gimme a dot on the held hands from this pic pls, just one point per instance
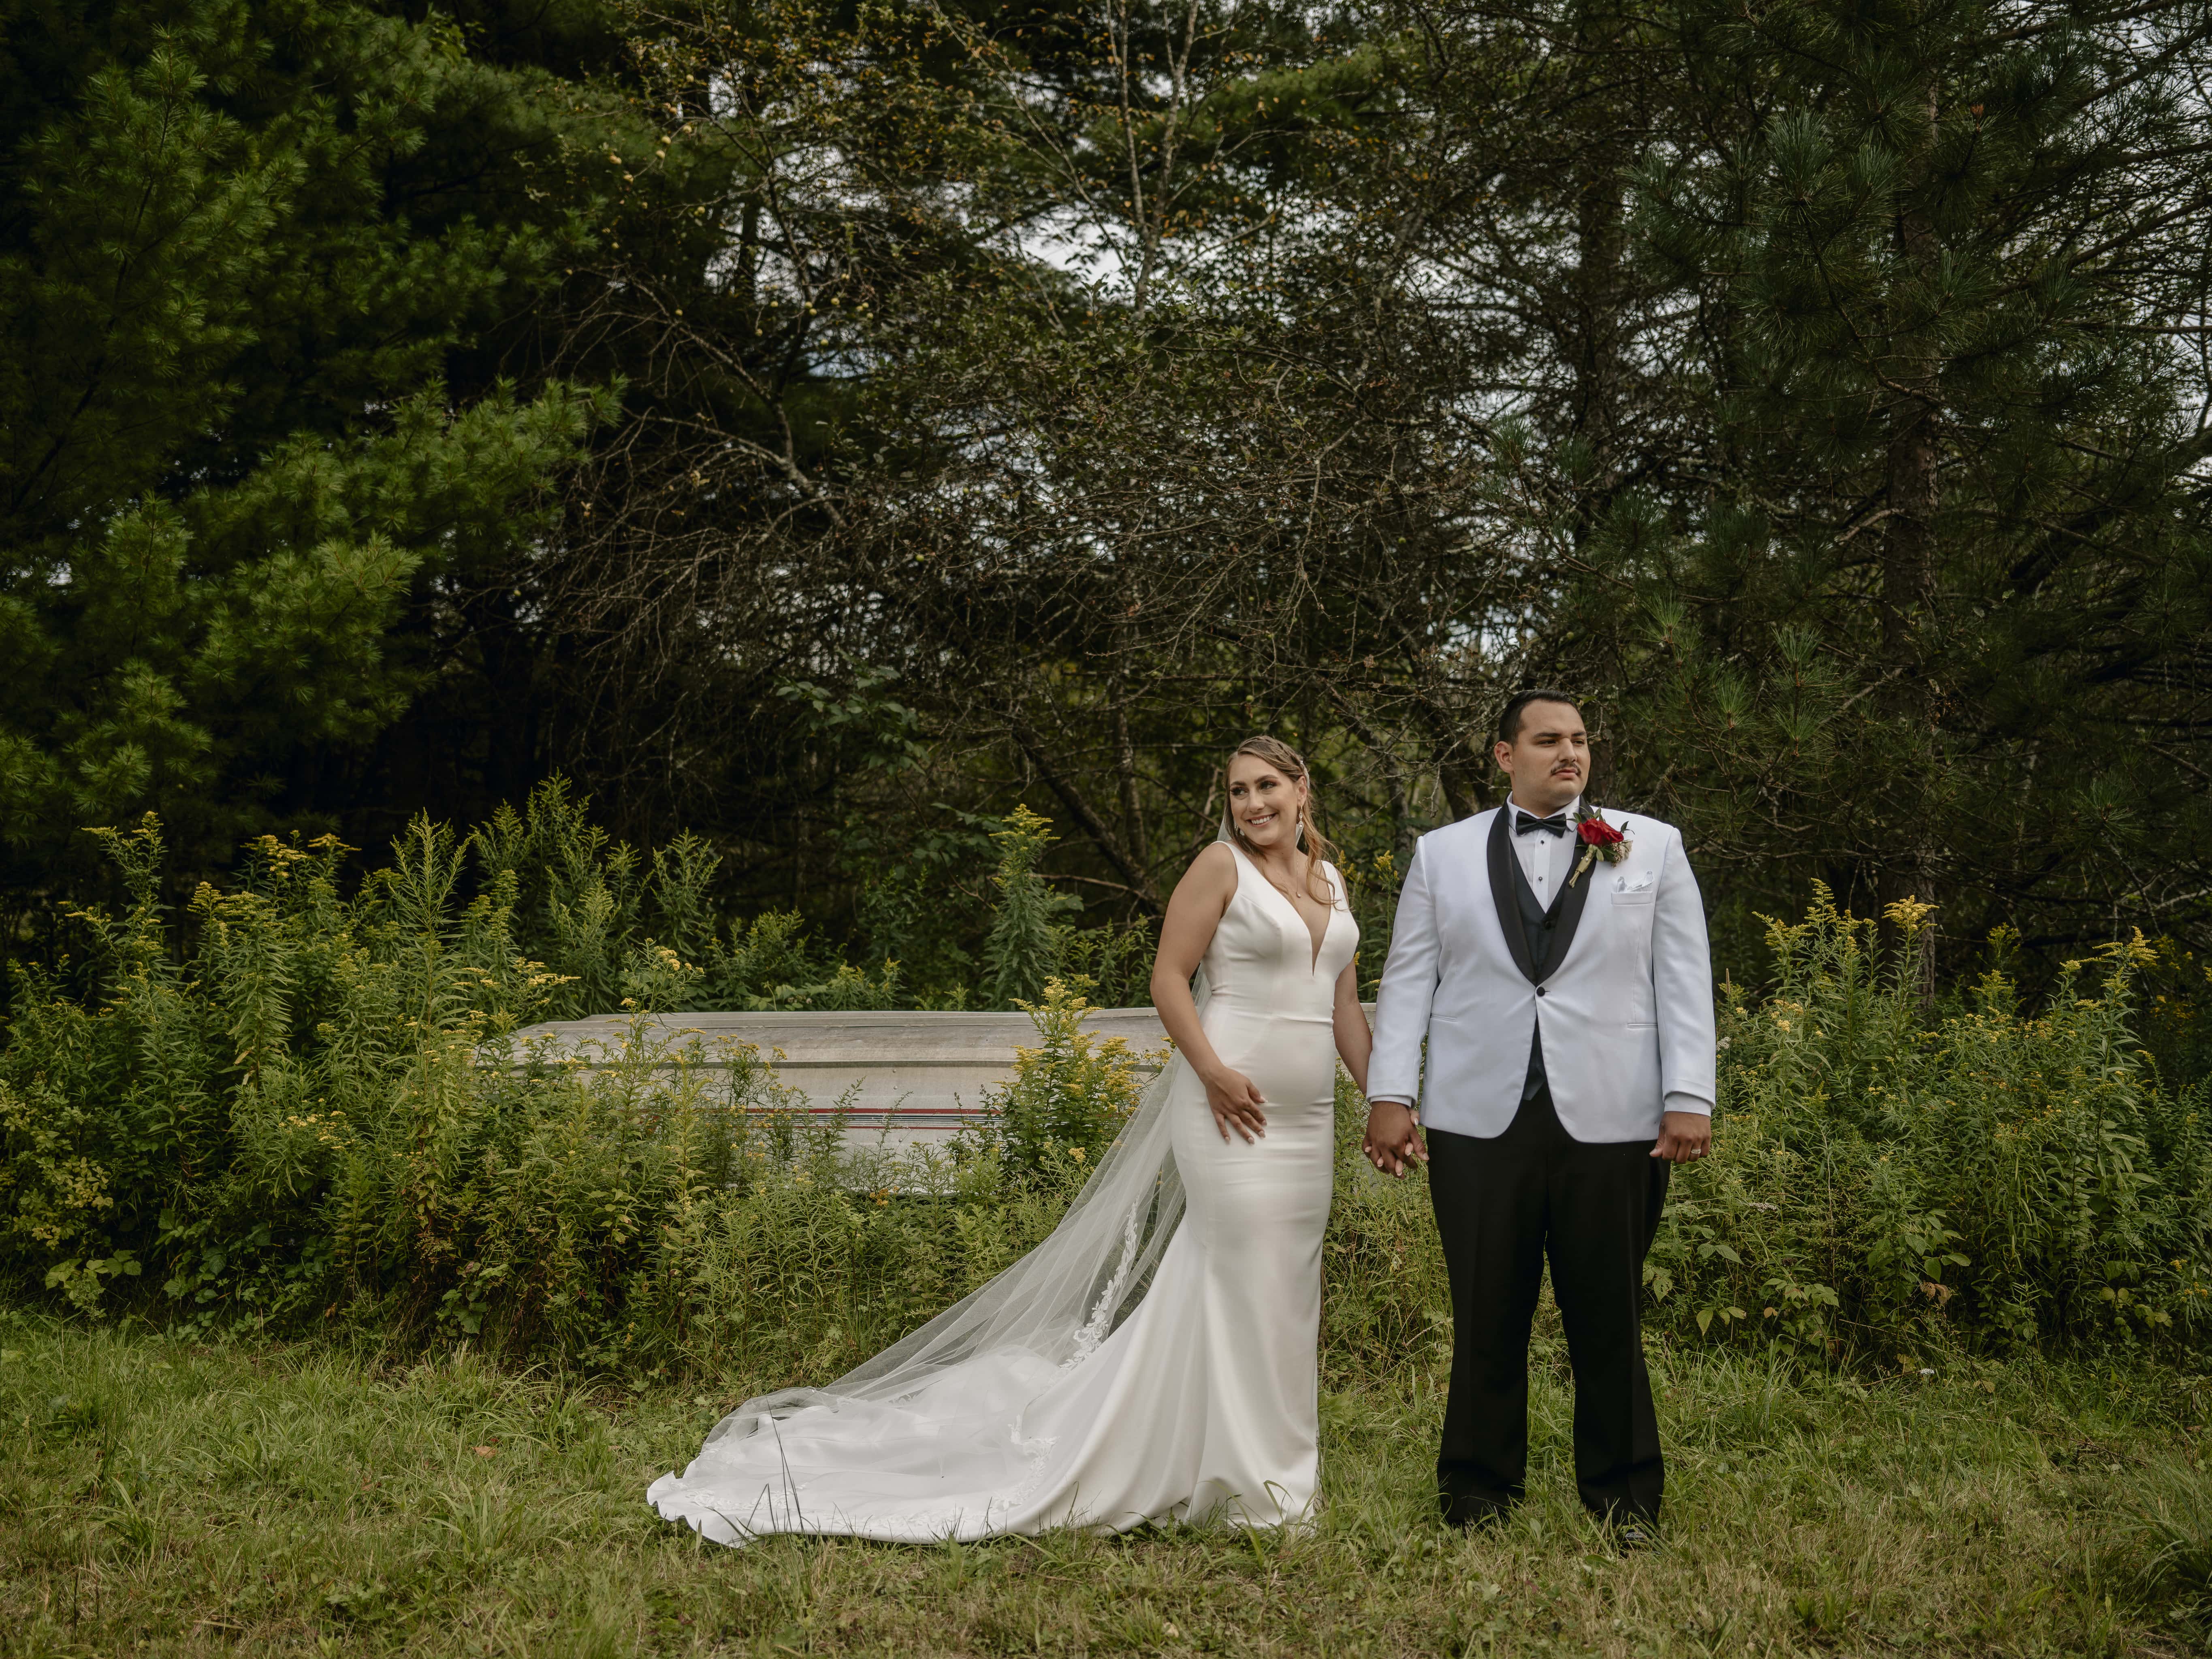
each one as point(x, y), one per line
point(1235, 1101)
point(1684, 1136)
point(1394, 1138)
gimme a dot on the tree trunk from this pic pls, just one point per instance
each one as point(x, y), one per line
point(1595, 288)
point(1595, 346)
point(1913, 488)
point(1139, 879)
point(1125, 766)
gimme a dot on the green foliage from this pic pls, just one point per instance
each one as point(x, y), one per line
point(320, 1114)
point(246, 247)
point(1114, 964)
point(1885, 1181)
point(1068, 1098)
point(1024, 946)
point(1106, 399)
point(1850, 462)
point(623, 929)
point(1953, 539)
point(2177, 1009)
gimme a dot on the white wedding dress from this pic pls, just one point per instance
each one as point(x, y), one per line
point(1154, 1360)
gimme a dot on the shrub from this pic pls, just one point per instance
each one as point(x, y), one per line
point(1883, 1178)
point(616, 927)
point(1068, 1098)
point(320, 1116)
point(1026, 942)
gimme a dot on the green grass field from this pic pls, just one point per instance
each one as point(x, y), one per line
point(161, 1498)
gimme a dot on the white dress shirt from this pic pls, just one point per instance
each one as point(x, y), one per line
point(1545, 858)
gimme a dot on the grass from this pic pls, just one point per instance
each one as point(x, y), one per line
point(163, 1498)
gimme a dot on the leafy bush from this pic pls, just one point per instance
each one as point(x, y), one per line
point(319, 1113)
point(617, 928)
point(1024, 946)
point(1068, 1098)
point(2175, 995)
point(1883, 1178)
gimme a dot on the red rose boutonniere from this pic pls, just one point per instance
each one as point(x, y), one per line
point(1599, 840)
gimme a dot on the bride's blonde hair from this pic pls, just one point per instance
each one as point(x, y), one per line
point(1320, 850)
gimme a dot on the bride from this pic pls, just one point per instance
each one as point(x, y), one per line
point(1156, 1358)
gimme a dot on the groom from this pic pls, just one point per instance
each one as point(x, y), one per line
point(1560, 977)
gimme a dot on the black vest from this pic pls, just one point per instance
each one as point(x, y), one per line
point(1540, 927)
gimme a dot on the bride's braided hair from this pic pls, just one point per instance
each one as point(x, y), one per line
point(1320, 849)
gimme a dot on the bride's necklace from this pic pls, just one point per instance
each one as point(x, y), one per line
point(1273, 883)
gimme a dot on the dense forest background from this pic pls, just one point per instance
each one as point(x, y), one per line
point(823, 429)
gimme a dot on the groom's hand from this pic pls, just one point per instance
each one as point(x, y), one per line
point(1393, 1140)
point(1684, 1136)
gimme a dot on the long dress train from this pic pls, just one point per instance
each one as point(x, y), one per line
point(1132, 1368)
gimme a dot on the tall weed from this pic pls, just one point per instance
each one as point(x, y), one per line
point(622, 928)
point(321, 1116)
point(1883, 1178)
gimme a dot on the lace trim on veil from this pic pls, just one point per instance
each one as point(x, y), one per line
point(1096, 1328)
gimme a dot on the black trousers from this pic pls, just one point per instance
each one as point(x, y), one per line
point(1504, 1203)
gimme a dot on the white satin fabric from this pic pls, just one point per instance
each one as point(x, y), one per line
point(1201, 1404)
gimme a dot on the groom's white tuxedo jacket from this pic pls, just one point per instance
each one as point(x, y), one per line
point(1626, 1008)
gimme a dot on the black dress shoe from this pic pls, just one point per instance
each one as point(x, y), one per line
point(1633, 1535)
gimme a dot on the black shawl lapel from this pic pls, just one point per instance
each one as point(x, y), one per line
point(1569, 916)
point(1501, 892)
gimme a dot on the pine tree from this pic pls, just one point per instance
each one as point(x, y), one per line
point(1924, 612)
point(245, 252)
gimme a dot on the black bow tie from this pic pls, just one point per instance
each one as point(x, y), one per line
point(1524, 823)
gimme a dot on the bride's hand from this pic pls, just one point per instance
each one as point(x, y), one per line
point(1235, 1101)
point(1392, 1141)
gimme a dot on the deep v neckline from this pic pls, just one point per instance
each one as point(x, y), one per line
point(1329, 921)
